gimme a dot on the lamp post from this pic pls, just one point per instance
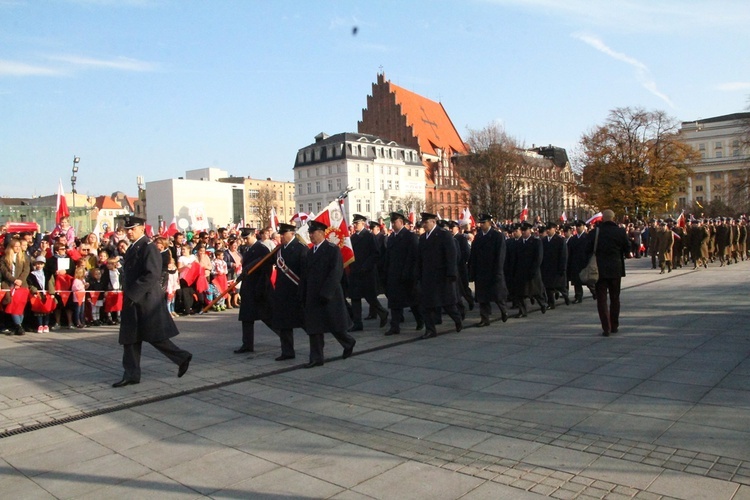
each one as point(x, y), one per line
point(76, 160)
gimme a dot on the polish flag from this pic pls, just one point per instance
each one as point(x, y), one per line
point(524, 213)
point(337, 232)
point(162, 227)
point(681, 220)
point(62, 205)
point(597, 217)
point(564, 217)
point(412, 215)
point(172, 229)
point(149, 230)
point(467, 218)
point(274, 220)
point(300, 217)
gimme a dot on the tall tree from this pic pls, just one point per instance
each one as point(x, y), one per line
point(635, 160)
point(491, 171)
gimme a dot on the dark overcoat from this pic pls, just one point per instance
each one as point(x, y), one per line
point(699, 236)
point(380, 241)
point(144, 316)
point(611, 249)
point(437, 269)
point(555, 262)
point(464, 254)
point(255, 289)
point(287, 296)
point(487, 267)
point(325, 306)
point(723, 239)
point(511, 245)
point(363, 272)
point(401, 257)
point(527, 269)
point(577, 257)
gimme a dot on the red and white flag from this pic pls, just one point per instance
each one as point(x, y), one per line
point(300, 217)
point(337, 232)
point(172, 229)
point(524, 213)
point(467, 218)
point(274, 220)
point(149, 230)
point(62, 204)
point(564, 217)
point(412, 215)
point(681, 220)
point(597, 217)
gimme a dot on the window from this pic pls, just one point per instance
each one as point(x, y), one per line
point(317, 186)
point(390, 184)
point(367, 206)
point(699, 199)
point(702, 146)
point(317, 171)
point(309, 188)
point(253, 194)
point(367, 183)
point(318, 205)
point(718, 145)
point(698, 189)
point(301, 207)
point(330, 185)
point(396, 185)
point(338, 184)
point(309, 208)
point(300, 189)
point(359, 205)
point(718, 154)
point(718, 175)
point(359, 183)
point(330, 169)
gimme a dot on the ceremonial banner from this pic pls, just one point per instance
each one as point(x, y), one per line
point(337, 232)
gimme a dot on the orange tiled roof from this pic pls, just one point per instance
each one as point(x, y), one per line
point(429, 121)
point(107, 203)
point(131, 202)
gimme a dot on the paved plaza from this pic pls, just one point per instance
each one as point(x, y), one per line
point(532, 408)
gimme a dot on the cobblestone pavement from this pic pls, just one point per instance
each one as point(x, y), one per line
point(536, 407)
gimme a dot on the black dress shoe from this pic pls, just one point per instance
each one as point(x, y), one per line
point(357, 328)
point(459, 326)
point(284, 357)
point(392, 332)
point(348, 351)
point(420, 325)
point(504, 316)
point(577, 300)
point(372, 316)
point(383, 319)
point(125, 381)
point(614, 330)
point(605, 334)
point(520, 315)
point(313, 364)
point(482, 324)
point(244, 349)
point(544, 308)
point(184, 366)
point(428, 335)
point(567, 300)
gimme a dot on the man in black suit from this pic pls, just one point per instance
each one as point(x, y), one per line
point(554, 265)
point(464, 250)
point(380, 238)
point(577, 259)
point(286, 296)
point(612, 246)
point(402, 253)
point(486, 270)
point(363, 276)
point(255, 292)
point(437, 275)
point(144, 314)
point(527, 273)
point(323, 297)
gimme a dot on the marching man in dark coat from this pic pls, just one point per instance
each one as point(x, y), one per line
point(287, 313)
point(255, 292)
point(486, 270)
point(145, 317)
point(323, 297)
point(577, 259)
point(401, 256)
point(464, 252)
point(554, 265)
point(363, 277)
point(437, 275)
point(527, 272)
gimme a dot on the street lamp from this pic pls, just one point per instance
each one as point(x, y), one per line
point(76, 160)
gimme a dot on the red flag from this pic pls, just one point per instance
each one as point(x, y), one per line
point(94, 297)
point(564, 217)
point(467, 218)
point(274, 220)
point(412, 215)
point(149, 230)
point(62, 205)
point(172, 229)
point(19, 298)
point(42, 303)
point(681, 220)
point(220, 281)
point(113, 301)
point(524, 213)
point(337, 232)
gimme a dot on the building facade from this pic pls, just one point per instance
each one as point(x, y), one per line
point(263, 194)
point(384, 176)
point(722, 174)
point(409, 119)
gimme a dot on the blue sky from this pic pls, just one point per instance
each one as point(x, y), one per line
point(158, 87)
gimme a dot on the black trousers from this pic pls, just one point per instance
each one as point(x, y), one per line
point(375, 307)
point(609, 316)
point(317, 343)
point(432, 316)
point(286, 336)
point(131, 356)
point(397, 316)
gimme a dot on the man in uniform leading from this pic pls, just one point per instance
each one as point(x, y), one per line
point(286, 295)
point(486, 270)
point(144, 316)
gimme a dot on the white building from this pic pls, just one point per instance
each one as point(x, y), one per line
point(199, 201)
point(384, 175)
point(724, 160)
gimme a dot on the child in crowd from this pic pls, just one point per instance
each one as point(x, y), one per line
point(112, 278)
point(220, 278)
point(96, 288)
point(173, 284)
point(79, 285)
point(44, 291)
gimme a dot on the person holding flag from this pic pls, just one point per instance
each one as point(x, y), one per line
point(285, 297)
point(255, 292)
